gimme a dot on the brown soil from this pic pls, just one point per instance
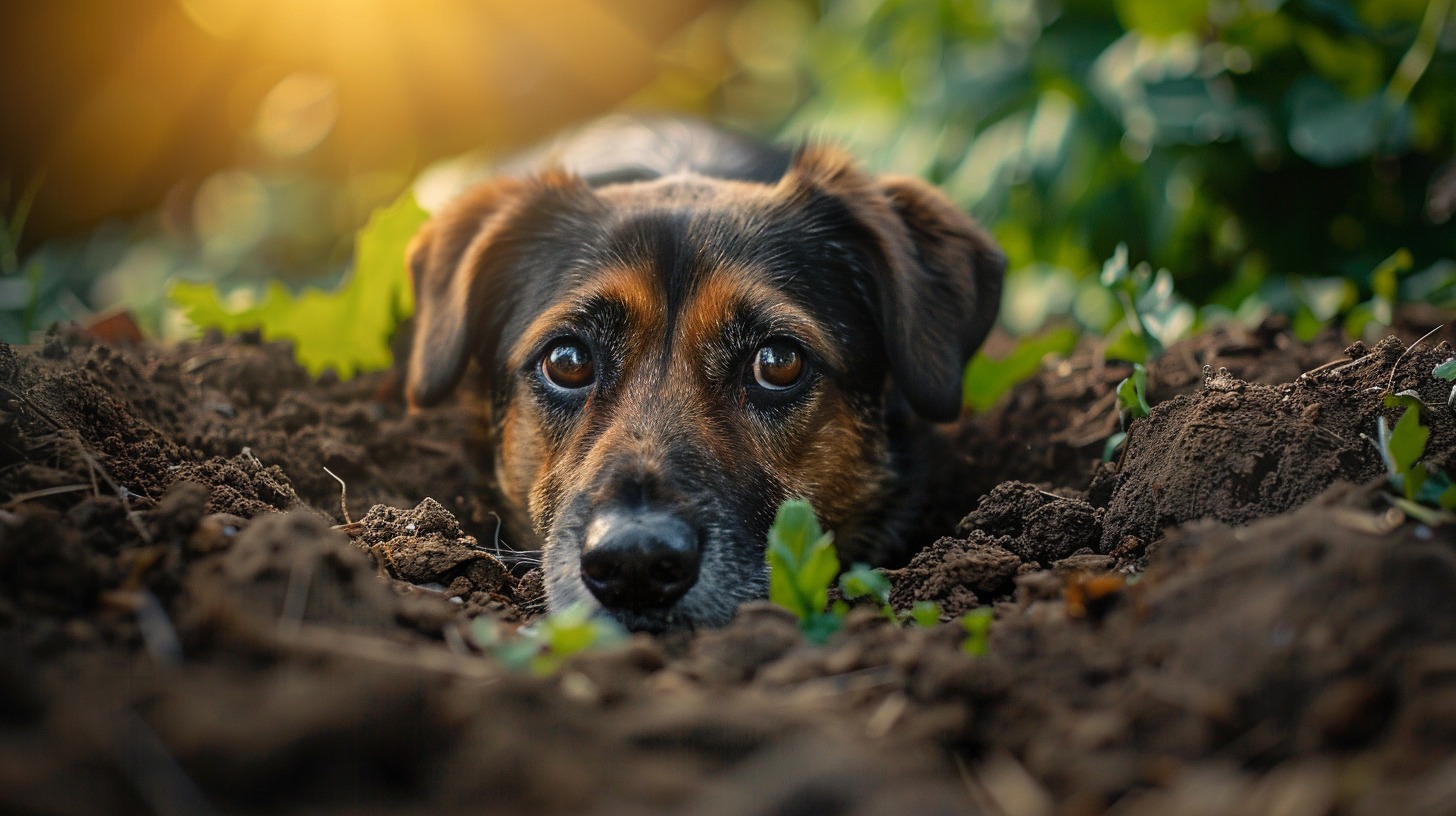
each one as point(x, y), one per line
point(1232, 619)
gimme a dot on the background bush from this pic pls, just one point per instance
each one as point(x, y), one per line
point(1272, 156)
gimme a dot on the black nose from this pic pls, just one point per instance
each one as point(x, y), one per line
point(639, 560)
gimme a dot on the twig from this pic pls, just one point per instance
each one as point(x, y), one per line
point(343, 495)
point(1390, 386)
point(21, 498)
point(1336, 366)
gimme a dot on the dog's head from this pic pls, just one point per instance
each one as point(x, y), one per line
point(666, 361)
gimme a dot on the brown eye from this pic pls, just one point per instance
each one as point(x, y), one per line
point(568, 365)
point(778, 365)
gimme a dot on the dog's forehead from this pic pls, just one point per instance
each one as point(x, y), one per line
point(693, 253)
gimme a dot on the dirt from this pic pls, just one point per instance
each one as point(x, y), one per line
point(1231, 617)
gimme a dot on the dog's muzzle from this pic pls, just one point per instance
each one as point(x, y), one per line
point(639, 560)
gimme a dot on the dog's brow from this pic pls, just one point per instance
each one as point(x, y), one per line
point(620, 285)
point(728, 295)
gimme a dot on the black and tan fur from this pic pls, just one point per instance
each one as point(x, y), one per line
point(673, 277)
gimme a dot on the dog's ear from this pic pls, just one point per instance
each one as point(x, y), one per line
point(445, 262)
point(940, 283)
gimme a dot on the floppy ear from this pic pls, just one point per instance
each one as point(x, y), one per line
point(445, 261)
point(940, 284)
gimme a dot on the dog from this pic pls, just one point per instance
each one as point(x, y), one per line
point(673, 328)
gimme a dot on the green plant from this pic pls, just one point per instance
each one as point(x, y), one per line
point(1132, 403)
point(987, 379)
point(863, 581)
point(347, 330)
point(544, 646)
point(1401, 447)
point(17, 295)
point(1447, 371)
point(802, 563)
point(977, 624)
point(1153, 313)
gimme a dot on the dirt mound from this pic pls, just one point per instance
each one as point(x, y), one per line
point(188, 623)
point(1237, 451)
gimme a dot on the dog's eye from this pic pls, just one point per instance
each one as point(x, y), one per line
point(568, 364)
point(778, 365)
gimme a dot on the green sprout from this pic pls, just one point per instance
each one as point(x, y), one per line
point(1132, 403)
point(802, 563)
point(1425, 494)
point(863, 581)
point(977, 624)
point(1447, 371)
point(544, 646)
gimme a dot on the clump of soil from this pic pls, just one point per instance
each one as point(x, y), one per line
point(1238, 451)
point(425, 546)
point(1235, 620)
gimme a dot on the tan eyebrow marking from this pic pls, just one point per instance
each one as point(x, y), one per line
point(629, 286)
point(716, 299)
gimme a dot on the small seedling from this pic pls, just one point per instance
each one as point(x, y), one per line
point(1154, 313)
point(802, 564)
point(1447, 371)
point(863, 581)
point(1132, 403)
point(977, 624)
point(1401, 448)
point(544, 646)
point(925, 614)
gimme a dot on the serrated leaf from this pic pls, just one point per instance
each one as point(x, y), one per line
point(347, 330)
point(817, 574)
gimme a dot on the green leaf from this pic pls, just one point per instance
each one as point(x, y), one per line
point(802, 561)
point(818, 627)
point(1161, 18)
point(863, 581)
point(1115, 269)
point(546, 644)
point(987, 380)
point(925, 614)
point(1445, 371)
point(347, 330)
point(977, 624)
point(1113, 443)
point(1132, 397)
point(1402, 445)
point(1447, 499)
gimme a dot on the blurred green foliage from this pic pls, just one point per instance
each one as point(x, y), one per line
point(1252, 156)
point(347, 330)
point(1243, 145)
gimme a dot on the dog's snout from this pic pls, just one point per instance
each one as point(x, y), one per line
point(639, 560)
